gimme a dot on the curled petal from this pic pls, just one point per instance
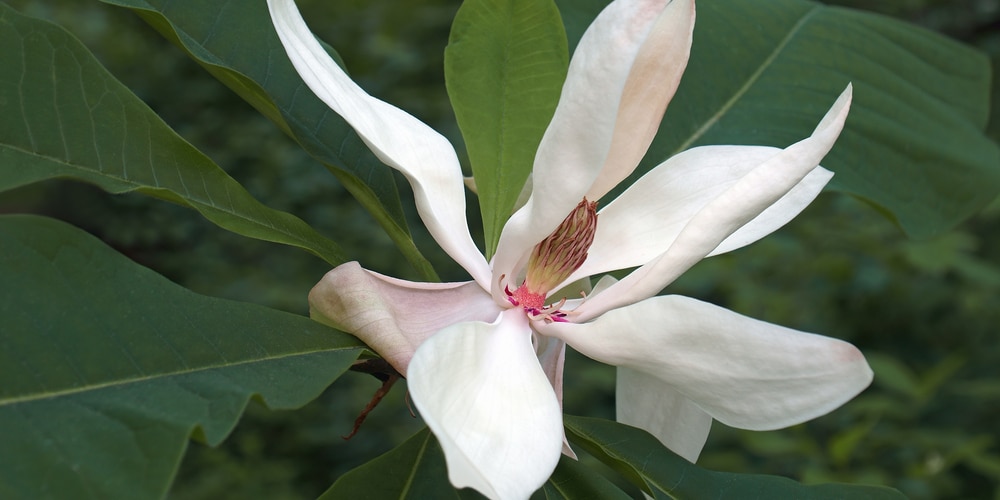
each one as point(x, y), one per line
point(394, 316)
point(482, 392)
point(645, 402)
point(576, 143)
point(644, 221)
point(398, 139)
point(724, 215)
point(743, 372)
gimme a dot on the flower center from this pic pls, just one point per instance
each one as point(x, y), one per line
point(553, 260)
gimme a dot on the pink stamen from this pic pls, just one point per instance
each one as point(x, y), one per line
point(534, 305)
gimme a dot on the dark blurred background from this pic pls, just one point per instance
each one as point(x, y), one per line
point(925, 313)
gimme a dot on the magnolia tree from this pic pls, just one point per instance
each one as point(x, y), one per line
point(655, 142)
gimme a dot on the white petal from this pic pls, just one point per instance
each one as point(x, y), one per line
point(395, 316)
point(398, 139)
point(743, 372)
point(482, 392)
point(651, 84)
point(642, 222)
point(579, 137)
point(645, 402)
point(725, 214)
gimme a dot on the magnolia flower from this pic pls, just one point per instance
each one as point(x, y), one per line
point(484, 358)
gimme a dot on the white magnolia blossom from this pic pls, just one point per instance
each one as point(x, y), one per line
point(484, 359)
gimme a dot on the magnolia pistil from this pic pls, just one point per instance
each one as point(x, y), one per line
point(554, 259)
point(564, 251)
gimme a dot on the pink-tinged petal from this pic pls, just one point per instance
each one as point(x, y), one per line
point(398, 139)
point(642, 222)
point(650, 86)
point(394, 316)
point(645, 402)
point(743, 372)
point(482, 392)
point(725, 214)
point(552, 356)
point(576, 143)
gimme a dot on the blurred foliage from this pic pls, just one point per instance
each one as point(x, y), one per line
point(925, 313)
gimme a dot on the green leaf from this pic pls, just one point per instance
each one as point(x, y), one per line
point(571, 479)
point(107, 368)
point(504, 66)
point(661, 473)
point(214, 33)
point(62, 115)
point(765, 72)
point(415, 469)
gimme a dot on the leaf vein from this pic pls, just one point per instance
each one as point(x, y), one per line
point(749, 83)
point(147, 378)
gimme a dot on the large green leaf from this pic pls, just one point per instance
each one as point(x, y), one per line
point(504, 67)
point(765, 72)
point(237, 44)
point(63, 115)
point(648, 464)
point(107, 368)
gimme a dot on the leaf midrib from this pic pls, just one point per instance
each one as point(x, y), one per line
point(749, 82)
point(134, 380)
point(186, 197)
point(408, 485)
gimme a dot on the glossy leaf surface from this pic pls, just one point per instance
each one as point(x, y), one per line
point(107, 368)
